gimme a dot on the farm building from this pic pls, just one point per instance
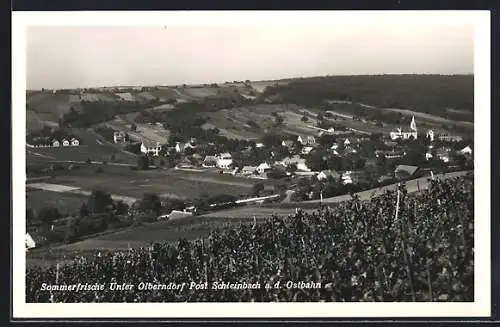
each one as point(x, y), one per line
point(248, 170)
point(306, 149)
point(334, 146)
point(29, 242)
point(224, 160)
point(55, 143)
point(75, 142)
point(346, 178)
point(467, 150)
point(443, 154)
point(444, 137)
point(295, 160)
point(149, 147)
point(181, 147)
point(210, 161)
point(65, 142)
point(404, 171)
point(263, 167)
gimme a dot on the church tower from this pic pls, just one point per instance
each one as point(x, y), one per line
point(413, 125)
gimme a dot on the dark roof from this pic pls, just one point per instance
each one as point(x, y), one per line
point(409, 169)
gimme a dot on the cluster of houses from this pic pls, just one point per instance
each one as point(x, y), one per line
point(49, 142)
point(301, 146)
point(412, 133)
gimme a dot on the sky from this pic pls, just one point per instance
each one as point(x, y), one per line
point(70, 57)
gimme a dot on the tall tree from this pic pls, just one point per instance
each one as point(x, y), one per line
point(48, 214)
point(151, 202)
point(99, 201)
point(84, 211)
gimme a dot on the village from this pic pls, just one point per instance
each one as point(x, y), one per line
point(340, 158)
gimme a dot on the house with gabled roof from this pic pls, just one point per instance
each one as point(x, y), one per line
point(403, 171)
point(150, 147)
point(263, 167)
point(248, 170)
point(306, 140)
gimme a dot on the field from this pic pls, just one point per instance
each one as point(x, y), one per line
point(66, 203)
point(201, 92)
point(260, 86)
point(170, 231)
point(153, 133)
point(33, 123)
point(126, 96)
point(165, 94)
point(90, 97)
point(146, 96)
point(122, 181)
point(234, 122)
point(55, 104)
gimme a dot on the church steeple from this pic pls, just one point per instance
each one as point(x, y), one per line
point(413, 125)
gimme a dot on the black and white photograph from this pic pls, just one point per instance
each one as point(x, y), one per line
point(232, 164)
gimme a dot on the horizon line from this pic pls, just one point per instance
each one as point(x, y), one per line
point(251, 81)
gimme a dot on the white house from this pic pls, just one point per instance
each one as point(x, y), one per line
point(306, 140)
point(306, 149)
point(428, 156)
point(29, 242)
point(75, 142)
point(65, 142)
point(259, 145)
point(55, 143)
point(181, 147)
point(119, 137)
point(224, 160)
point(248, 170)
point(346, 178)
point(287, 143)
point(210, 161)
point(148, 147)
point(443, 155)
point(405, 134)
point(347, 142)
point(430, 135)
point(295, 160)
point(334, 146)
point(263, 167)
point(466, 150)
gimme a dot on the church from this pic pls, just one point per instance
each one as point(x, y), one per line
point(406, 134)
